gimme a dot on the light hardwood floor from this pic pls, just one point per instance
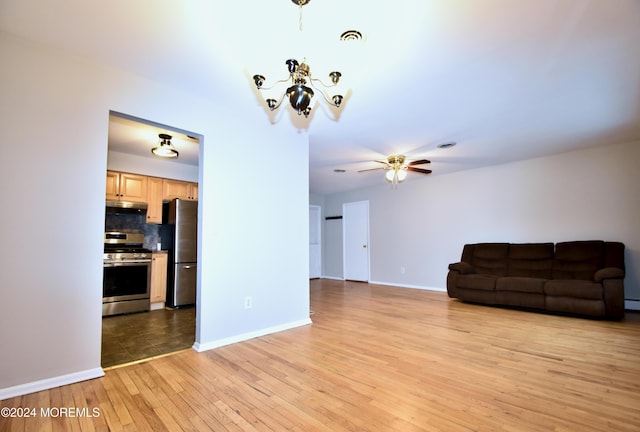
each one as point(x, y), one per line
point(377, 359)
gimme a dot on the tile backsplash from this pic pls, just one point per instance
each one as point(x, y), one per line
point(153, 233)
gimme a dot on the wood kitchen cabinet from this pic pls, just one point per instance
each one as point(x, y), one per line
point(126, 187)
point(179, 189)
point(154, 200)
point(158, 290)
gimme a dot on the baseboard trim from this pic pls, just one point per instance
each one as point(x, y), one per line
point(420, 287)
point(200, 347)
point(50, 383)
point(632, 305)
point(157, 306)
point(332, 277)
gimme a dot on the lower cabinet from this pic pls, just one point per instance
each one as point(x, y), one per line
point(159, 263)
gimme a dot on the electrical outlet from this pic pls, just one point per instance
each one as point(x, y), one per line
point(248, 303)
point(402, 270)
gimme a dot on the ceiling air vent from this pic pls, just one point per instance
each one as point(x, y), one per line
point(351, 35)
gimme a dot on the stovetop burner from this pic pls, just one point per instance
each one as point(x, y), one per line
point(122, 246)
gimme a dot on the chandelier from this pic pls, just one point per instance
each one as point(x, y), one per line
point(298, 93)
point(301, 83)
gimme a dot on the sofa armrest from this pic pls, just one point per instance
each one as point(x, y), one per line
point(608, 273)
point(462, 267)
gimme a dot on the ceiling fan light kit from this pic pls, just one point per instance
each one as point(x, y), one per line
point(396, 176)
point(397, 168)
point(165, 149)
point(298, 93)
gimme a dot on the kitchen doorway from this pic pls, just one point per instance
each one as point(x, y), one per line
point(143, 335)
point(147, 185)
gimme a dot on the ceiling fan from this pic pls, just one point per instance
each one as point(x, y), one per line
point(397, 167)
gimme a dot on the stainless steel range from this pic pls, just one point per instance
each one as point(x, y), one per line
point(127, 273)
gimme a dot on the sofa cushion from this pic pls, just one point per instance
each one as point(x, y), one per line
point(488, 258)
point(521, 284)
point(575, 288)
point(578, 259)
point(531, 260)
point(477, 281)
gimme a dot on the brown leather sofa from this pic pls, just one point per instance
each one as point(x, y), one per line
point(579, 277)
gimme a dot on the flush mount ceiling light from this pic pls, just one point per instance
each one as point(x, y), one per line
point(298, 93)
point(165, 149)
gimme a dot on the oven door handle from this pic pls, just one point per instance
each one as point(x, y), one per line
point(127, 263)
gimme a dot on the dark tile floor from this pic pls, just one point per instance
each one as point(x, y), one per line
point(127, 338)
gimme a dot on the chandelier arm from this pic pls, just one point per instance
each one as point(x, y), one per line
point(329, 101)
point(323, 84)
point(274, 84)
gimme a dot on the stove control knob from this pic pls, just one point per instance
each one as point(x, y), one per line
point(136, 255)
point(143, 255)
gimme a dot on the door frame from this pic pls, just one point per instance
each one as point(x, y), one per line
point(364, 203)
point(319, 244)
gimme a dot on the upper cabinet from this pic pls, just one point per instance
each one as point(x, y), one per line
point(150, 190)
point(154, 200)
point(179, 189)
point(126, 187)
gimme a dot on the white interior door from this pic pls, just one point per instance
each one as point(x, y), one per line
point(355, 229)
point(315, 242)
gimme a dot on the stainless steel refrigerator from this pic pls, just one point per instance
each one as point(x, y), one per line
point(183, 253)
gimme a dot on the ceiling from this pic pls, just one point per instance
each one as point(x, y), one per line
point(505, 79)
point(136, 136)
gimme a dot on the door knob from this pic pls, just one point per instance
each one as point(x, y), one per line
point(364, 246)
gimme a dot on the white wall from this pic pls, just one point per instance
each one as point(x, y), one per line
point(423, 224)
point(53, 135)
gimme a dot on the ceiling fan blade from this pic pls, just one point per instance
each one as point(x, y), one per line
point(420, 162)
point(419, 170)
point(382, 162)
point(372, 169)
